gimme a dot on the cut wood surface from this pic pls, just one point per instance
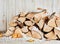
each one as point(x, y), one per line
point(47, 28)
point(51, 36)
point(36, 35)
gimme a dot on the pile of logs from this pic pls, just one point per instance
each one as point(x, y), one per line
point(34, 24)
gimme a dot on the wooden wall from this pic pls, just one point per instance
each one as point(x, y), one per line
point(10, 8)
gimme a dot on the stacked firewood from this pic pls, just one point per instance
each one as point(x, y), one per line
point(34, 24)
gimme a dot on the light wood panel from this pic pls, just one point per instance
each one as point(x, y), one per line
point(2, 15)
point(56, 5)
point(11, 11)
point(46, 4)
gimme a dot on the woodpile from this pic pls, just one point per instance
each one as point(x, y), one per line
point(32, 23)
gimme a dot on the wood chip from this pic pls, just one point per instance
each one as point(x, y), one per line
point(30, 40)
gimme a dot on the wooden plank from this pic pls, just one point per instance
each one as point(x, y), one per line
point(48, 5)
point(18, 6)
point(38, 4)
point(29, 5)
point(24, 5)
point(2, 16)
point(56, 5)
point(10, 10)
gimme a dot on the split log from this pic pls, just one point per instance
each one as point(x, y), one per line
point(41, 23)
point(52, 22)
point(47, 28)
point(28, 23)
point(50, 36)
point(21, 19)
point(36, 35)
point(25, 29)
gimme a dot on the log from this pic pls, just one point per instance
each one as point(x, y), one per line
point(57, 32)
point(23, 14)
point(28, 23)
point(25, 29)
point(12, 24)
point(12, 28)
point(47, 28)
point(29, 34)
point(50, 36)
point(21, 19)
point(52, 22)
point(58, 23)
point(41, 23)
point(36, 35)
